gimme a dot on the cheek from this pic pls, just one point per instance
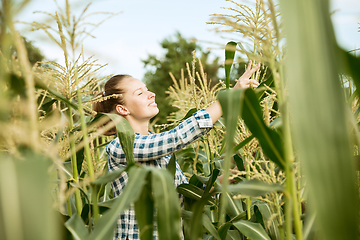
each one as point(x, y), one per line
point(137, 105)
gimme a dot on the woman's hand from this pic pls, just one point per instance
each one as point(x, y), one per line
point(244, 81)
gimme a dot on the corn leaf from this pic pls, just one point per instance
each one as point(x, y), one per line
point(233, 235)
point(144, 210)
point(351, 66)
point(77, 227)
point(210, 227)
point(231, 102)
point(251, 230)
point(109, 177)
point(243, 143)
point(254, 188)
point(269, 139)
point(26, 205)
point(126, 136)
point(56, 94)
point(318, 114)
point(167, 204)
point(223, 230)
point(271, 224)
point(107, 223)
point(231, 208)
point(229, 59)
point(193, 192)
point(171, 167)
point(196, 227)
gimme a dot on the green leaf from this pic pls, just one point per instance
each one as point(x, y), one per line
point(77, 227)
point(79, 159)
point(254, 188)
point(107, 203)
point(243, 215)
point(109, 177)
point(198, 181)
point(93, 120)
point(233, 235)
point(47, 105)
point(231, 102)
point(196, 229)
point(270, 222)
point(223, 229)
point(239, 162)
point(309, 225)
point(261, 89)
point(57, 95)
point(167, 204)
point(251, 230)
point(105, 227)
point(144, 209)
point(189, 114)
point(243, 143)
point(186, 214)
point(26, 205)
point(126, 136)
point(231, 208)
point(211, 181)
point(352, 67)
point(210, 227)
point(193, 192)
point(171, 167)
point(17, 86)
point(269, 139)
point(230, 49)
point(319, 117)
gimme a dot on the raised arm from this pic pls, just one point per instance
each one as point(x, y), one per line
point(155, 146)
point(243, 82)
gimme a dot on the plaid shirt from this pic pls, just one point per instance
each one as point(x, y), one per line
point(153, 150)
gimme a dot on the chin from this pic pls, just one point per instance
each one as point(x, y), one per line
point(157, 111)
point(153, 113)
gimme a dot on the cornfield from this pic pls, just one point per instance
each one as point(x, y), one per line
point(289, 148)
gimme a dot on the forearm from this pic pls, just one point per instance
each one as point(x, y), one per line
point(215, 111)
point(154, 146)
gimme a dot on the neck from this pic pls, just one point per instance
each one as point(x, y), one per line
point(141, 127)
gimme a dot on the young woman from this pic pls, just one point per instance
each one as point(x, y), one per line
point(137, 105)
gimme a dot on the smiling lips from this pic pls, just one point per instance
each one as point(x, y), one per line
point(153, 104)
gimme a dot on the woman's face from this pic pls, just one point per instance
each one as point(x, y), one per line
point(139, 101)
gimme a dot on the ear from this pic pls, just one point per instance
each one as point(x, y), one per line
point(122, 110)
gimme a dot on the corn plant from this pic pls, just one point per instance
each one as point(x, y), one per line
point(80, 194)
point(277, 144)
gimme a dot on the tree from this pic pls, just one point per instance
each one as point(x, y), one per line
point(34, 53)
point(178, 52)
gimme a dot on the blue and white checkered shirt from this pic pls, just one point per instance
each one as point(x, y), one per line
point(153, 150)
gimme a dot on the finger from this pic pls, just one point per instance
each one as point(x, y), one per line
point(253, 81)
point(250, 71)
point(253, 70)
point(254, 85)
point(249, 66)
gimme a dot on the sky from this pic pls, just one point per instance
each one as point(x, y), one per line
point(129, 37)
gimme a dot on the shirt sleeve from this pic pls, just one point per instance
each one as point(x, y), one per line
point(155, 146)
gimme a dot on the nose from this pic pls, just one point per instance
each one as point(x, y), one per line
point(151, 94)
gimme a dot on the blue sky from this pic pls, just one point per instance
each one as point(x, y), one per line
point(125, 39)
